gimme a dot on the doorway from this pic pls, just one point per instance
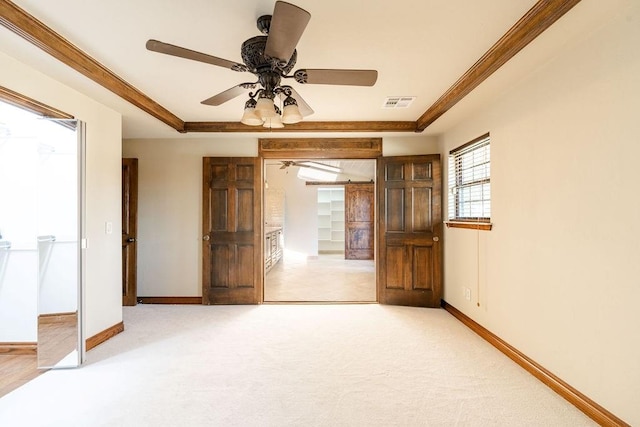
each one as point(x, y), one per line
point(313, 252)
point(408, 229)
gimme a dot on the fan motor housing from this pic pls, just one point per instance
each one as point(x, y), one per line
point(253, 56)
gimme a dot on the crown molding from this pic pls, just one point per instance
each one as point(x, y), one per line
point(540, 17)
point(37, 33)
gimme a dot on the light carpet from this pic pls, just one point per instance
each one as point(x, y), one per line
point(290, 365)
point(328, 277)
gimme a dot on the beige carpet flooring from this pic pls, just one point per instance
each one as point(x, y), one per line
point(329, 277)
point(290, 365)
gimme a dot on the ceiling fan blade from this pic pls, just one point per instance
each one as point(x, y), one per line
point(336, 77)
point(225, 96)
point(287, 25)
point(181, 52)
point(304, 108)
point(319, 166)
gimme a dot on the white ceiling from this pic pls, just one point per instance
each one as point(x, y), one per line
point(355, 170)
point(419, 47)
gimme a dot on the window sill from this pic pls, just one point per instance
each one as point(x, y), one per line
point(486, 226)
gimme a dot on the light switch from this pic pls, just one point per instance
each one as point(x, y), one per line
point(108, 227)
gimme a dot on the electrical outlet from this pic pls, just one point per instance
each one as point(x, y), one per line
point(467, 294)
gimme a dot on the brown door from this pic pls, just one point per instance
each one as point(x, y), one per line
point(129, 230)
point(359, 229)
point(232, 231)
point(410, 231)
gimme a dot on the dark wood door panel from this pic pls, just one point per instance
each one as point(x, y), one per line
point(218, 209)
point(220, 262)
point(359, 221)
point(410, 230)
point(394, 267)
point(129, 231)
point(394, 214)
point(245, 213)
point(360, 202)
point(421, 170)
point(421, 219)
point(232, 243)
point(245, 265)
point(423, 271)
point(359, 242)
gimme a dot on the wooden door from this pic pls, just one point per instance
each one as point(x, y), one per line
point(232, 231)
point(359, 225)
point(410, 231)
point(129, 230)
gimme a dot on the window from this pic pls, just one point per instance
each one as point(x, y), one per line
point(469, 182)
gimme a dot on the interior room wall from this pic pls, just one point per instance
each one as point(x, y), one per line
point(170, 205)
point(558, 275)
point(301, 212)
point(103, 273)
point(170, 209)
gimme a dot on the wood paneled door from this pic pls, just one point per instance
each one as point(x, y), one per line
point(410, 231)
point(232, 231)
point(129, 230)
point(359, 221)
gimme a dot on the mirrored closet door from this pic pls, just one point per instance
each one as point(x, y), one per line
point(41, 223)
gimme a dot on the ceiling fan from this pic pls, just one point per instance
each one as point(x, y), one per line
point(271, 57)
point(310, 165)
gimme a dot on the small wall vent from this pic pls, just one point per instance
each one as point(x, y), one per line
point(398, 102)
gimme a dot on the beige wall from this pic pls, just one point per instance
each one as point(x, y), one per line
point(170, 204)
point(301, 210)
point(170, 209)
point(103, 297)
point(559, 274)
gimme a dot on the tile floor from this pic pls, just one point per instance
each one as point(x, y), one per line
point(329, 277)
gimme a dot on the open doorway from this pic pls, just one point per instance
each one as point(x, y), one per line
point(308, 235)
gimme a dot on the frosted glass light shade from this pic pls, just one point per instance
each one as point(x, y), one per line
point(250, 117)
point(265, 108)
point(273, 122)
point(291, 114)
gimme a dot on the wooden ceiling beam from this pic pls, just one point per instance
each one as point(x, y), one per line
point(26, 26)
point(303, 127)
point(320, 148)
point(540, 17)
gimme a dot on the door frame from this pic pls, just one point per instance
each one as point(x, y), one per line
point(130, 232)
point(317, 149)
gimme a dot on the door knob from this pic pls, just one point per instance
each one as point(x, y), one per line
point(206, 238)
point(131, 240)
point(436, 238)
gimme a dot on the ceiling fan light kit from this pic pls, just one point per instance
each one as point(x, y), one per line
point(290, 111)
point(265, 107)
point(250, 117)
point(271, 57)
point(273, 123)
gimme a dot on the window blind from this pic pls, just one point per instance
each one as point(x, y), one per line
point(469, 181)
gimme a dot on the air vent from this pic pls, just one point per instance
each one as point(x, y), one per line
point(398, 102)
